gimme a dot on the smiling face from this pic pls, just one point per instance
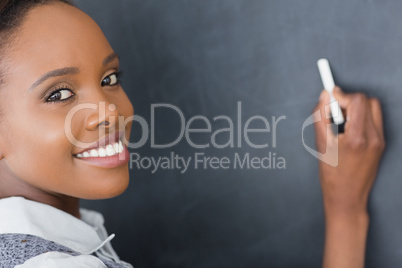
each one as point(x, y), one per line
point(60, 59)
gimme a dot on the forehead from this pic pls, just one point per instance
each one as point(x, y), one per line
point(55, 36)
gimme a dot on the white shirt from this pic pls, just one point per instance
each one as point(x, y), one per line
point(86, 235)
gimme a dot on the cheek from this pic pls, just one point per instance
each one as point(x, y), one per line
point(39, 153)
point(38, 149)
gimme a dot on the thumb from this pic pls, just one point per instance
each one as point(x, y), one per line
point(341, 97)
point(323, 102)
point(324, 97)
point(322, 120)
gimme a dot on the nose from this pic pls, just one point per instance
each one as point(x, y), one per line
point(105, 115)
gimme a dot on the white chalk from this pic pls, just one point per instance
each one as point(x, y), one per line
point(328, 82)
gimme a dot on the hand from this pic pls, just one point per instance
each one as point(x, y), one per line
point(346, 187)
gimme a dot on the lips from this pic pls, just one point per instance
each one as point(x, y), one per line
point(108, 152)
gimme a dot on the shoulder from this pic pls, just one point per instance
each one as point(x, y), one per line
point(62, 260)
point(25, 246)
point(25, 251)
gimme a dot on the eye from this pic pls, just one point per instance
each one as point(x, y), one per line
point(111, 80)
point(60, 95)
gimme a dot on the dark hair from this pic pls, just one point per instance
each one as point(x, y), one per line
point(12, 14)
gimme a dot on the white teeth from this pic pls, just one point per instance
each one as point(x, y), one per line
point(110, 150)
point(102, 152)
point(121, 147)
point(94, 153)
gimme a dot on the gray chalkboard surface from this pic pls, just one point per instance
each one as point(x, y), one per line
point(236, 60)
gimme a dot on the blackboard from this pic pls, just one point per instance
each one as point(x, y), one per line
point(208, 58)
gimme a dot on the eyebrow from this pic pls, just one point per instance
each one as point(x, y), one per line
point(54, 73)
point(110, 58)
point(68, 70)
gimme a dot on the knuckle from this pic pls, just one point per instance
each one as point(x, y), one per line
point(358, 143)
point(376, 104)
point(316, 113)
point(317, 107)
point(359, 98)
point(321, 145)
point(377, 143)
point(375, 101)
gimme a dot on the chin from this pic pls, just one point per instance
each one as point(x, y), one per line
point(109, 190)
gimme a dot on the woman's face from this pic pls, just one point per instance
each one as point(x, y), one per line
point(60, 59)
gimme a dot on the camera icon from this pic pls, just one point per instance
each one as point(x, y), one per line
point(328, 150)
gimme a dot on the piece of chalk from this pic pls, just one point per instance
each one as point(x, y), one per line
point(328, 82)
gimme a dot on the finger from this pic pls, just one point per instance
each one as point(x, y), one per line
point(342, 97)
point(377, 116)
point(374, 128)
point(357, 111)
point(322, 119)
